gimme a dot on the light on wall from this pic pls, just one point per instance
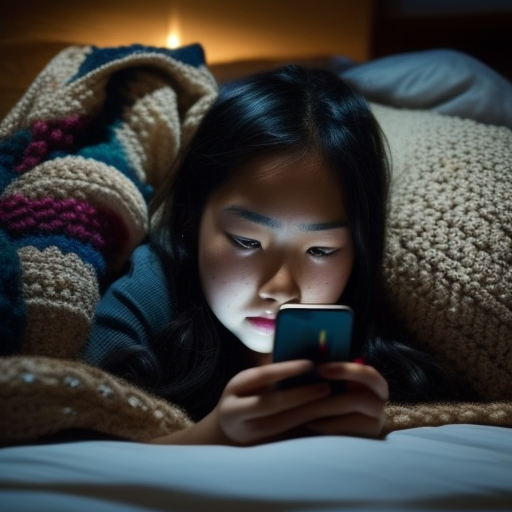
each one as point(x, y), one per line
point(174, 34)
point(173, 40)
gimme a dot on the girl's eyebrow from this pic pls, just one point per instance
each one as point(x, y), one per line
point(269, 222)
point(325, 226)
point(251, 216)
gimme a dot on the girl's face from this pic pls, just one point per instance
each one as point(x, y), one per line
point(276, 233)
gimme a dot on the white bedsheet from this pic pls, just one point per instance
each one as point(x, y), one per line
point(455, 467)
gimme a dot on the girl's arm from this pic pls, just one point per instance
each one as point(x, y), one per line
point(252, 411)
point(134, 307)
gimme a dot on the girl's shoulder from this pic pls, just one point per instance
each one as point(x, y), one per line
point(132, 310)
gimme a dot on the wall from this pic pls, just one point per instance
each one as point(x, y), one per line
point(273, 28)
point(32, 32)
point(445, 7)
point(481, 28)
point(227, 28)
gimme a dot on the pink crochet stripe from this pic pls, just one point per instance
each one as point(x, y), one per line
point(72, 217)
point(48, 136)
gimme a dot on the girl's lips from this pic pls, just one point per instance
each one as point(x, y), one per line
point(263, 325)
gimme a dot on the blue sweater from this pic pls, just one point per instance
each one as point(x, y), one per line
point(133, 308)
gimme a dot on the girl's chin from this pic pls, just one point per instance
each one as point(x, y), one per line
point(260, 344)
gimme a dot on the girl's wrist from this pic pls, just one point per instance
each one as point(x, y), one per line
point(205, 431)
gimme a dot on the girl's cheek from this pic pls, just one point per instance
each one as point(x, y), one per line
point(225, 274)
point(325, 283)
point(323, 290)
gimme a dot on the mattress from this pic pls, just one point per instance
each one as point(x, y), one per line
point(453, 467)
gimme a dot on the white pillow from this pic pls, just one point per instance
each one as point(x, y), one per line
point(447, 81)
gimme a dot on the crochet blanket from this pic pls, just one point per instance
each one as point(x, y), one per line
point(80, 156)
point(448, 261)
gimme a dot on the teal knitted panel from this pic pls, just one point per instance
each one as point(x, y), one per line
point(12, 308)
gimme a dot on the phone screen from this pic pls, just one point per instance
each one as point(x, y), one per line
point(315, 332)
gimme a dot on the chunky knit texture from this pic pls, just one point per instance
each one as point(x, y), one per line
point(448, 268)
point(43, 396)
point(80, 155)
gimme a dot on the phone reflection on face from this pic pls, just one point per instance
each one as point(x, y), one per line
point(276, 233)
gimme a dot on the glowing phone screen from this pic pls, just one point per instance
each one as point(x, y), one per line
point(316, 334)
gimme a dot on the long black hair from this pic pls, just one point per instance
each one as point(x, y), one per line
point(290, 110)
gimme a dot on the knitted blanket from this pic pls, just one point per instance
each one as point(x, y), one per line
point(80, 156)
point(448, 261)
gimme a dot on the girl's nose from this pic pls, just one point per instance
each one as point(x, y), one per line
point(281, 287)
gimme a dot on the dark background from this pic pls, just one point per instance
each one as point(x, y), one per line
point(231, 30)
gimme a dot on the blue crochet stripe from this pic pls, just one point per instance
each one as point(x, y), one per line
point(66, 245)
point(192, 55)
point(11, 154)
point(12, 306)
point(104, 145)
point(112, 152)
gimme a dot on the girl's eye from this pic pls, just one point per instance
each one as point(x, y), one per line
point(321, 252)
point(245, 243)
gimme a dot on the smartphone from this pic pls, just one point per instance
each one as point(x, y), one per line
point(317, 332)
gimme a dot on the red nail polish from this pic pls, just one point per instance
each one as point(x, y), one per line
point(359, 360)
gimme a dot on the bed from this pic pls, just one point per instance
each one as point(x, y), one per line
point(74, 437)
point(454, 467)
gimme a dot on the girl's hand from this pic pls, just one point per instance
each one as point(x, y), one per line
point(359, 411)
point(252, 411)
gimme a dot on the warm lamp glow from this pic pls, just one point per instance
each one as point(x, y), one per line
point(173, 40)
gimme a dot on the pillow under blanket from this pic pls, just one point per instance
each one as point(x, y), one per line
point(448, 263)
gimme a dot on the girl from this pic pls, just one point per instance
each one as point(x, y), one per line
point(279, 198)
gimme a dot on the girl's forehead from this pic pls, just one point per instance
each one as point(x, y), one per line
point(282, 169)
point(284, 184)
point(292, 164)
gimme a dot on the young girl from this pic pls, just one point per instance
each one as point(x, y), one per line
point(279, 198)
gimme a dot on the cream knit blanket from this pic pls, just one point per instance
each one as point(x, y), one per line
point(448, 265)
point(99, 128)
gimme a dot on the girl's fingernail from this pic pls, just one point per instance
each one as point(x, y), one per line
point(359, 360)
